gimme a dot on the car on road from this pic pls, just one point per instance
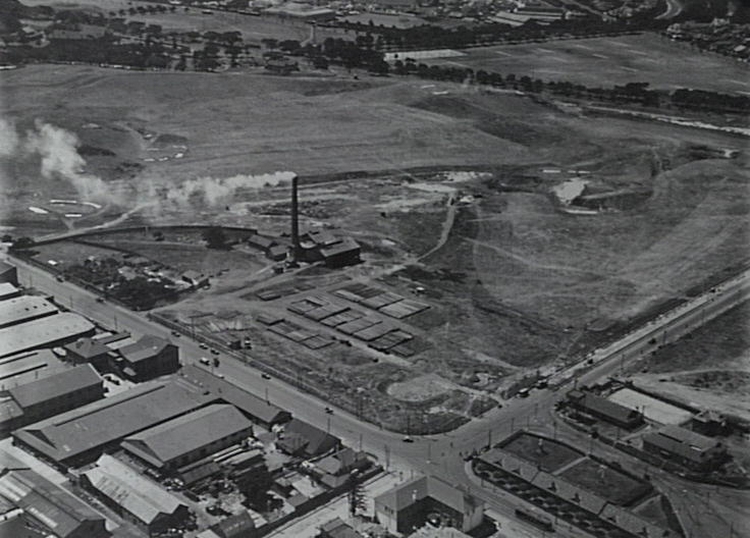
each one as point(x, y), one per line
point(265, 376)
point(176, 333)
point(215, 352)
point(204, 360)
point(60, 278)
point(329, 411)
point(202, 346)
point(100, 299)
point(524, 393)
point(408, 439)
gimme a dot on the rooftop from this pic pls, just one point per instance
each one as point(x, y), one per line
point(299, 434)
point(347, 244)
point(87, 348)
point(74, 433)
point(52, 506)
point(55, 385)
point(7, 290)
point(136, 494)
point(603, 406)
point(145, 348)
point(27, 366)
point(174, 438)
point(42, 332)
point(23, 308)
point(417, 489)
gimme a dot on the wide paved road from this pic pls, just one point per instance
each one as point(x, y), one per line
point(437, 454)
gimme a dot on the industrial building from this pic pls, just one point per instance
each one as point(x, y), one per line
point(8, 273)
point(134, 497)
point(27, 366)
point(149, 357)
point(24, 308)
point(257, 409)
point(53, 393)
point(88, 351)
point(49, 506)
point(47, 331)
point(183, 440)
point(80, 436)
point(8, 291)
point(687, 448)
point(408, 505)
point(336, 469)
point(604, 409)
point(303, 439)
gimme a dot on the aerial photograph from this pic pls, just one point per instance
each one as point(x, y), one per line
point(375, 268)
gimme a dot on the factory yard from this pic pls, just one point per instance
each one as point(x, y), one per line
point(607, 61)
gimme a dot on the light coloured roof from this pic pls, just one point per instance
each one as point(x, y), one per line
point(139, 496)
point(416, 489)
point(145, 348)
point(73, 433)
point(55, 385)
point(87, 348)
point(27, 366)
point(7, 290)
point(166, 442)
point(23, 308)
point(42, 332)
point(55, 508)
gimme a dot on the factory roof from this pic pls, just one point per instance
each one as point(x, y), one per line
point(137, 495)
point(144, 349)
point(50, 505)
point(55, 385)
point(249, 403)
point(603, 406)
point(685, 443)
point(8, 290)
point(75, 432)
point(408, 493)
point(24, 308)
point(347, 244)
point(168, 441)
point(22, 367)
point(41, 332)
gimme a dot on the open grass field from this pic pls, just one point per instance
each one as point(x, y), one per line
point(606, 61)
point(548, 454)
point(613, 485)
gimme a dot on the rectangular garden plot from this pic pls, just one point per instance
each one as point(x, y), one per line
point(403, 309)
point(305, 305)
point(391, 339)
point(268, 319)
point(381, 300)
point(376, 331)
point(323, 312)
point(357, 325)
point(318, 341)
point(343, 317)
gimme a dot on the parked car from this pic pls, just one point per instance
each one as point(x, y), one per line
point(204, 360)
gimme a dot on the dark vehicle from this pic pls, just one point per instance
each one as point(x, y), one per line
point(329, 411)
point(408, 439)
point(265, 376)
point(176, 333)
point(214, 351)
point(60, 278)
point(100, 299)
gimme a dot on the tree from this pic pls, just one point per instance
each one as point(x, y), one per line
point(215, 238)
point(356, 495)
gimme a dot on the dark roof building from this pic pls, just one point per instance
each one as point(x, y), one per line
point(149, 357)
point(409, 504)
point(345, 252)
point(336, 528)
point(64, 515)
point(188, 438)
point(8, 273)
point(79, 436)
point(256, 408)
point(335, 470)
point(303, 439)
point(133, 496)
point(605, 409)
point(56, 393)
point(88, 350)
point(235, 526)
point(687, 448)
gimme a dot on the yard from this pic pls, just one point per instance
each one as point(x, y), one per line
point(550, 455)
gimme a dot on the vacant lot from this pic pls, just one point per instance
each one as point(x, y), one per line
point(613, 485)
point(602, 62)
point(548, 454)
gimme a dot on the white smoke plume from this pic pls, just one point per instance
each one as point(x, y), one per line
point(60, 159)
point(8, 138)
point(214, 191)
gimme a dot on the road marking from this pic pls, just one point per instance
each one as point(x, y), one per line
point(602, 56)
point(502, 53)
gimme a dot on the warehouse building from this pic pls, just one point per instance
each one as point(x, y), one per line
point(47, 331)
point(8, 273)
point(687, 448)
point(88, 351)
point(27, 366)
point(149, 357)
point(54, 393)
point(80, 436)
point(303, 439)
point(183, 440)
point(604, 409)
point(49, 506)
point(408, 505)
point(24, 308)
point(134, 497)
point(8, 291)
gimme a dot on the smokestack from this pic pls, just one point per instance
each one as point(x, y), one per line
point(295, 221)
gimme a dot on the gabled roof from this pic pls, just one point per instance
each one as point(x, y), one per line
point(52, 506)
point(347, 244)
point(139, 496)
point(144, 349)
point(417, 489)
point(565, 490)
point(301, 435)
point(42, 332)
point(55, 385)
point(87, 348)
point(603, 406)
point(685, 443)
point(236, 525)
point(73, 433)
point(166, 442)
point(249, 403)
point(340, 462)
